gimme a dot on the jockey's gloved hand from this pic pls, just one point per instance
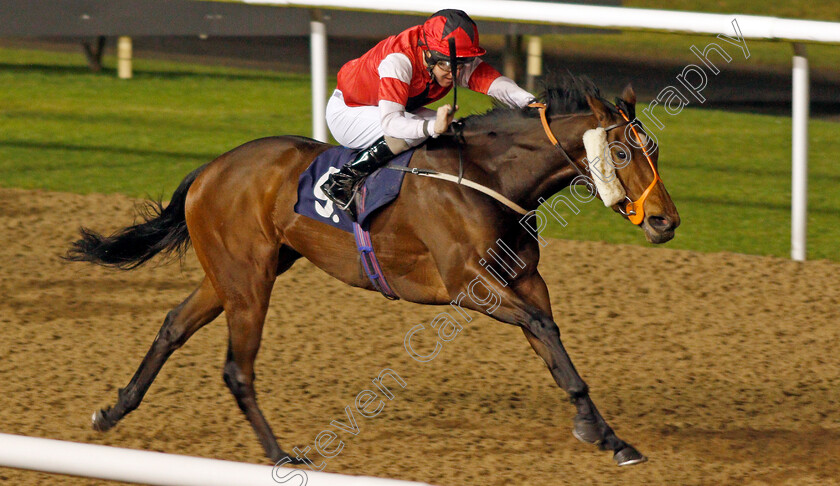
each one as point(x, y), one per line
point(445, 115)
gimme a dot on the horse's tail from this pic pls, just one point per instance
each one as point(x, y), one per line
point(161, 230)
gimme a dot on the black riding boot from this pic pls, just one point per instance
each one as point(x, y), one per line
point(341, 185)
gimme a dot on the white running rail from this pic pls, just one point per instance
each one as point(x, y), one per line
point(157, 468)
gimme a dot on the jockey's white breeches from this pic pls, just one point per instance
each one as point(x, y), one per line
point(360, 126)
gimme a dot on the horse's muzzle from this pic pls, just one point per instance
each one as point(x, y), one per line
point(659, 228)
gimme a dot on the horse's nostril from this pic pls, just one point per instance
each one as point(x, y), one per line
point(660, 223)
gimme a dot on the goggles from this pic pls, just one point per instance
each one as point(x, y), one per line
point(445, 65)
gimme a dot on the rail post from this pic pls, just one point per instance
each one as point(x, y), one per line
point(124, 57)
point(799, 171)
point(318, 48)
point(535, 59)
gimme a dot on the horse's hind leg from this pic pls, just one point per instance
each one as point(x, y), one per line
point(248, 277)
point(245, 326)
point(201, 307)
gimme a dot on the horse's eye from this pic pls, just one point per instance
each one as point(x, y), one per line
point(621, 154)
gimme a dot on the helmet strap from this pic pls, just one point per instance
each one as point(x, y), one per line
point(430, 65)
point(427, 54)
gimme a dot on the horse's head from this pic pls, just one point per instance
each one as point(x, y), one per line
point(602, 145)
point(635, 157)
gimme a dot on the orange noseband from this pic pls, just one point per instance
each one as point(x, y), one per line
point(635, 210)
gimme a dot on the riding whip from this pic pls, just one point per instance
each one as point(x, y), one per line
point(454, 65)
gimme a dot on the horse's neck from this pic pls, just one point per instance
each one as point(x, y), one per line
point(524, 166)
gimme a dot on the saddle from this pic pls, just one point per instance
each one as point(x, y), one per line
point(377, 191)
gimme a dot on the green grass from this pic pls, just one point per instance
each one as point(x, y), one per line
point(668, 47)
point(675, 48)
point(797, 9)
point(63, 128)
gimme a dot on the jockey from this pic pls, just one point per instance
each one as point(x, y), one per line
point(379, 103)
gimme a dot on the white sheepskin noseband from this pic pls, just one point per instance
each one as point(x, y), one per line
point(603, 171)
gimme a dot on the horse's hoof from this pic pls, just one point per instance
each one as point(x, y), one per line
point(286, 458)
point(586, 431)
point(628, 456)
point(296, 461)
point(100, 421)
point(278, 474)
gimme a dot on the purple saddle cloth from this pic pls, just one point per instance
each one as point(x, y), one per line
point(380, 188)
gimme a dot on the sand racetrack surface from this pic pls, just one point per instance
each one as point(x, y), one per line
point(721, 368)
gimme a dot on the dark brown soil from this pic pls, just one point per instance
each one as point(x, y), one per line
point(722, 368)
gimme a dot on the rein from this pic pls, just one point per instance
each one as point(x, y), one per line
point(458, 130)
point(463, 182)
point(634, 210)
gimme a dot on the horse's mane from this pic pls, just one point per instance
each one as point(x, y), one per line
point(563, 94)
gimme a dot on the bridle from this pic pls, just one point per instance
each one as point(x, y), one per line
point(633, 210)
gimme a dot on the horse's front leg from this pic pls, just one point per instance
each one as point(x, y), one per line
point(526, 304)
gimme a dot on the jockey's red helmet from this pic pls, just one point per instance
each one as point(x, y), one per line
point(455, 24)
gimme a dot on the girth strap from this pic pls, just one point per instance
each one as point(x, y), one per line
point(369, 261)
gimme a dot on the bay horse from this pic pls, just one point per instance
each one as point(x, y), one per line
point(237, 212)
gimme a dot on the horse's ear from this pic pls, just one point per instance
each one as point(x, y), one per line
point(599, 109)
point(629, 95)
